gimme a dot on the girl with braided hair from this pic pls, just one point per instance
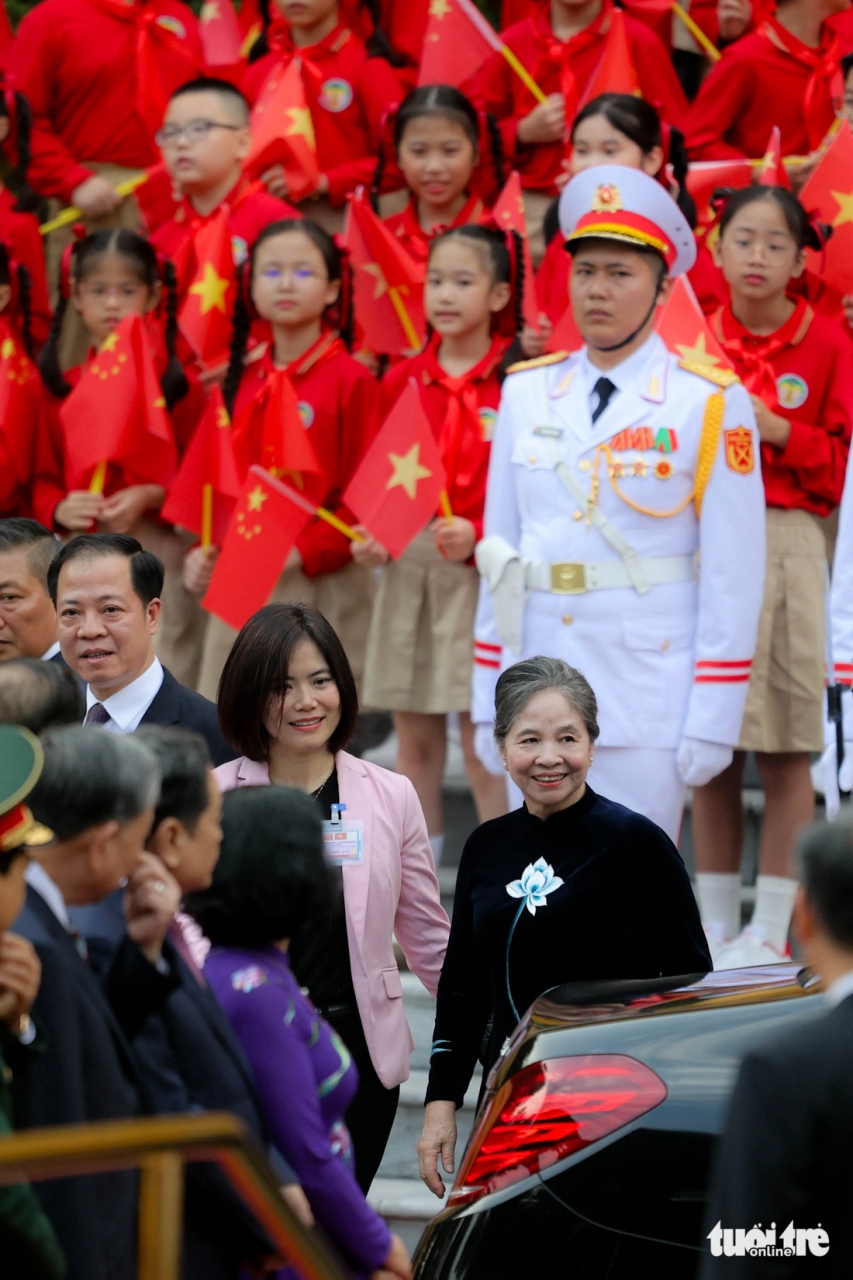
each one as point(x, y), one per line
point(19, 229)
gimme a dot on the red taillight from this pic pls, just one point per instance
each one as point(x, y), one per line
point(550, 1110)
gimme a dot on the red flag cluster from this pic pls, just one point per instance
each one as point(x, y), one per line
point(283, 132)
point(388, 284)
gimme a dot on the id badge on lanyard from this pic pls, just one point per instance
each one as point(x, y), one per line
point(343, 839)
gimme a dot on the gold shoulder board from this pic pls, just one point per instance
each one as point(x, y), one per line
point(720, 377)
point(554, 358)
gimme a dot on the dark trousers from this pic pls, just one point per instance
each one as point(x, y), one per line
point(370, 1115)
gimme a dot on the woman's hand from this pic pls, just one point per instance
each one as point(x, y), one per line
point(455, 538)
point(397, 1265)
point(79, 510)
point(121, 512)
point(772, 428)
point(545, 123)
point(734, 17)
point(369, 553)
point(437, 1137)
point(534, 344)
point(198, 568)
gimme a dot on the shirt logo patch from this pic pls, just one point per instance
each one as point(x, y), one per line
point(239, 250)
point(792, 391)
point(740, 454)
point(488, 418)
point(170, 23)
point(306, 413)
point(247, 980)
point(336, 95)
point(664, 439)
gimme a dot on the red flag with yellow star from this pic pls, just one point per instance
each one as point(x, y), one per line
point(457, 41)
point(221, 37)
point(20, 404)
point(207, 310)
point(771, 171)
point(283, 132)
point(828, 195)
point(508, 214)
point(262, 532)
point(685, 330)
point(398, 485)
point(388, 284)
point(203, 493)
point(117, 413)
point(615, 72)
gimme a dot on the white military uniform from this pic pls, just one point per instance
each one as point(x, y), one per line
point(633, 549)
point(841, 600)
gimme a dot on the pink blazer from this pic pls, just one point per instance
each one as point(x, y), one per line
point(394, 890)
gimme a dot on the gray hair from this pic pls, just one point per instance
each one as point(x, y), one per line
point(39, 695)
point(521, 682)
point(826, 869)
point(91, 776)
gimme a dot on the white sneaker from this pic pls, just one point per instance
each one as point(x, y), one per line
point(716, 939)
point(749, 949)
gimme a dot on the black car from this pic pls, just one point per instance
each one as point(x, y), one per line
point(591, 1155)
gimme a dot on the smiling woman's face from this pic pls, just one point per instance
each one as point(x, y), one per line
point(308, 714)
point(548, 753)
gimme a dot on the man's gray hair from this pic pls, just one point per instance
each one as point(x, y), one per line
point(521, 682)
point(91, 776)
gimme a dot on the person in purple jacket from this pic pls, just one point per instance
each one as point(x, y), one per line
point(270, 881)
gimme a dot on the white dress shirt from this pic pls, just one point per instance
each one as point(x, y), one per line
point(127, 707)
point(621, 375)
point(841, 988)
point(38, 879)
point(51, 653)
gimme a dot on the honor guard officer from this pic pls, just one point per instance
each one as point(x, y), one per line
point(624, 523)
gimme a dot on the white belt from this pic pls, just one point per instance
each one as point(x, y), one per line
point(572, 578)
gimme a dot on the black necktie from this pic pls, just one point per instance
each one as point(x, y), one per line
point(604, 389)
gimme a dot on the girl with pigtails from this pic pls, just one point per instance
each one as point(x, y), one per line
point(420, 648)
point(29, 308)
point(302, 408)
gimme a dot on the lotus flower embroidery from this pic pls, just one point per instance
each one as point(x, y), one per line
point(537, 881)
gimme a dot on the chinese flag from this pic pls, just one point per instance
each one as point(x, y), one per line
point(388, 284)
point(508, 214)
point(261, 535)
point(399, 482)
point(457, 42)
point(285, 445)
point(221, 37)
point(685, 330)
point(283, 131)
point(615, 72)
point(209, 460)
point(117, 413)
point(705, 176)
point(828, 195)
point(205, 315)
point(771, 171)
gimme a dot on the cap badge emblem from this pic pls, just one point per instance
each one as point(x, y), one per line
point(607, 199)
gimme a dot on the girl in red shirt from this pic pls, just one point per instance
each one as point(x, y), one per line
point(798, 367)
point(419, 656)
point(299, 285)
point(348, 88)
point(20, 399)
point(19, 229)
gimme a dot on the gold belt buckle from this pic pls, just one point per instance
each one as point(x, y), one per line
point(568, 579)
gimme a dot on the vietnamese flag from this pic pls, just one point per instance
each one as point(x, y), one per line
point(208, 307)
point(771, 170)
point(828, 195)
point(387, 282)
point(262, 533)
point(457, 42)
point(615, 72)
point(399, 482)
point(683, 327)
point(207, 485)
point(283, 131)
point(508, 214)
point(117, 413)
point(221, 37)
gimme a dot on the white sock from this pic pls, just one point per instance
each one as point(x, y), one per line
point(774, 904)
point(719, 902)
point(436, 843)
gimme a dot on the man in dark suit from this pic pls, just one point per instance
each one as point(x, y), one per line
point(785, 1161)
point(107, 589)
point(97, 795)
point(27, 613)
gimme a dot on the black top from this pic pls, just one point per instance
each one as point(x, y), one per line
point(319, 955)
point(614, 901)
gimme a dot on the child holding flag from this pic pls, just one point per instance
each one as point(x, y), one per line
point(798, 368)
point(419, 654)
point(303, 411)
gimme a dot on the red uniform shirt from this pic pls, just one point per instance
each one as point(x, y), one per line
point(498, 89)
point(411, 234)
point(767, 78)
point(347, 93)
point(336, 398)
point(80, 63)
point(21, 404)
point(803, 372)
point(19, 232)
point(462, 413)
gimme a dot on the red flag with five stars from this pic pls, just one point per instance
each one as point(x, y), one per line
point(615, 72)
point(221, 37)
point(203, 493)
point(508, 214)
point(828, 195)
point(283, 132)
point(207, 309)
point(262, 533)
point(398, 485)
point(388, 284)
point(457, 42)
point(117, 413)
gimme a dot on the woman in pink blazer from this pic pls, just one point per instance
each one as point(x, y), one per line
point(288, 703)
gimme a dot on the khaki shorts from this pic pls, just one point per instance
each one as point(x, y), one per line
point(421, 642)
point(784, 707)
point(344, 598)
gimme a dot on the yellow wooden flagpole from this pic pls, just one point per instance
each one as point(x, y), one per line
point(446, 509)
point(72, 213)
point(697, 33)
point(340, 525)
point(404, 317)
point(206, 516)
point(99, 476)
point(523, 74)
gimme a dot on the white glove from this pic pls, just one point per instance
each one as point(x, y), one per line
point(698, 762)
point(486, 750)
point(845, 773)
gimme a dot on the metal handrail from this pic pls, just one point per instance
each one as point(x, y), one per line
point(160, 1146)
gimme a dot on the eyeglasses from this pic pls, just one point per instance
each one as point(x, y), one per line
point(195, 131)
point(299, 275)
